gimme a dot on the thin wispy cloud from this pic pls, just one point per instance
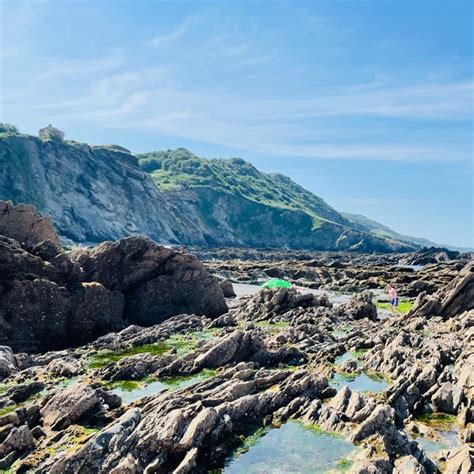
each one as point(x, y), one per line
point(173, 35)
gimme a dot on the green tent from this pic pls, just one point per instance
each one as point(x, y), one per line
point(276, 283)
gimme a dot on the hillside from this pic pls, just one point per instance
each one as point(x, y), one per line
point(235, 204)
point(368, 225)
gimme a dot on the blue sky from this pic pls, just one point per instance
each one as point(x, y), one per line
point(369, 104)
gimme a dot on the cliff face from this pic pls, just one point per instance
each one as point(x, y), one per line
point(97, 193)
point(91, 193)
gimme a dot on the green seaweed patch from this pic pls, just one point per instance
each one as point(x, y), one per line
point(271, 327)
point(359, 353)
point(318, 429)
point(102, 358)
point(437, 420)
point(251, 440)
point(125, 385)
point(181, 381)
point(404, 306)
point(8, 409)
point(182, 343)
point(348, 376)
point(344, 464)
point(378, 376)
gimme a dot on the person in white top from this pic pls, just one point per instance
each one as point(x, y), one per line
point(393, 297)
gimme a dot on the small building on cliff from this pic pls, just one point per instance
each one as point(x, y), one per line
point(51, 133)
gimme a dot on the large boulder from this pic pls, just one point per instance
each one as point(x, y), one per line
point(44, 305)
point(74, 403)
point(24, 224)
point(157, 282)
point(359, 307)
point(448, 398)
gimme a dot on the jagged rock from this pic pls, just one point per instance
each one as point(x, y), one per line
point(456, 298)
point(65, 367)
point(20, 393)
point(408, 465)
point(377, 466)
point(25, 225)
point(464, 371)
point(272, 303)
point(448, 398)
point(70, 405)
point(429, 255)
point(379, 421)
point(227, 289)
point(460, 460)
point(359, 307)
point(8, 363)
point(19, 439)
point(167, 434)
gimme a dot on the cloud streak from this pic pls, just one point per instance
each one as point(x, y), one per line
point(174, 35)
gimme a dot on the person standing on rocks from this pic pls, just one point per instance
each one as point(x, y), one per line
point(393, 297)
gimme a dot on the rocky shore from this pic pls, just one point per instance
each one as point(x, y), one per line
point(127, 358)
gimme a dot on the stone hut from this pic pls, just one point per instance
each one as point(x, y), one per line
point(51, 133)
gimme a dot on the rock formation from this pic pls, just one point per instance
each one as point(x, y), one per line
point(24, 224)
point(455, 298)
point(53, 299)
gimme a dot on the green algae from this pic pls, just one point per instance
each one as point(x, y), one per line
point(181, 343)
point(404, 306)
point(125, 385)
point(271, 327)
point(131, 391)
point(438, 420)
point(102, 358)
point(181, 381)
point(8, 409)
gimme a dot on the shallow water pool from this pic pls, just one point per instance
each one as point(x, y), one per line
point(130, 393)
point(294, 448)
point(360, 383)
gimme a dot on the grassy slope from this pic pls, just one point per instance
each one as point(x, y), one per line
point(180, 169)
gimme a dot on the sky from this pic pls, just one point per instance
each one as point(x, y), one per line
point(369, 104)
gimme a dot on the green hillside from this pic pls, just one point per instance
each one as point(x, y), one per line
point(181, 169)
point(217, 190)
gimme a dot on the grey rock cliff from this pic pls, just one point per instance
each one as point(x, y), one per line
point(91, 193)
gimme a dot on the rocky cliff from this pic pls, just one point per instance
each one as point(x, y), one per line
point(96, 193)
point(91, 193)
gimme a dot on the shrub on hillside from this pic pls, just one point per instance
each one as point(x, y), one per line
point(8, 128)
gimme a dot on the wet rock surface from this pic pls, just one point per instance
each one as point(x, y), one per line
point(397, 389)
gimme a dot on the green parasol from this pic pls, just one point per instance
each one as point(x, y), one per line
point(276, 283)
